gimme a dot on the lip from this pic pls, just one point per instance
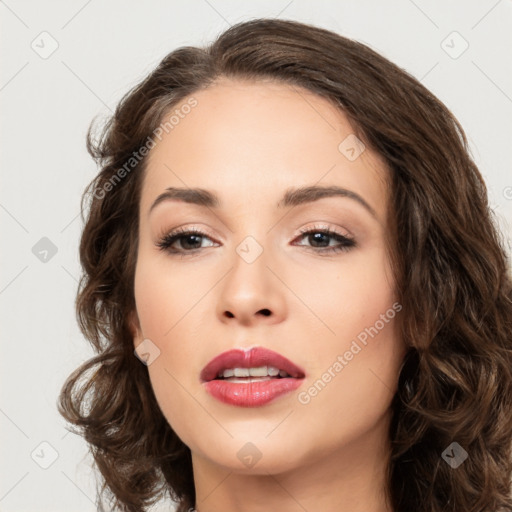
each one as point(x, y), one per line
point(257, 356)
point(250, 394)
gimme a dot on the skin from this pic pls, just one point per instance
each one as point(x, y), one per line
point(249, 142)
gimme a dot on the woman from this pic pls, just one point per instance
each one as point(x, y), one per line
point(298, 294)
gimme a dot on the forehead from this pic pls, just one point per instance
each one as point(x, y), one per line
point(250, 141)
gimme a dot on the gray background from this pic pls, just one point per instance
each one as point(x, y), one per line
point(104, 48)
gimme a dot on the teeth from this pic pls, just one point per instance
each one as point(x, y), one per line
point(260, 371)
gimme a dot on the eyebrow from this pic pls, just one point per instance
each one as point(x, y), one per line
point(292, 197)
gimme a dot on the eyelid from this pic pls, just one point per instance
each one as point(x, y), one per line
point(327, 227)
point(185, 229)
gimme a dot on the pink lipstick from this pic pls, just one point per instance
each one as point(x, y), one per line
point(250, 378)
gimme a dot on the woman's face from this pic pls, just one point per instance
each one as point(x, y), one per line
point(250, 277)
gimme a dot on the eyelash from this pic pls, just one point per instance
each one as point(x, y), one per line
point(167, 240)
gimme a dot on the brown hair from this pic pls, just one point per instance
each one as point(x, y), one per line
point(449, 261)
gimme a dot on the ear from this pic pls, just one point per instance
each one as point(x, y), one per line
point(135, 329)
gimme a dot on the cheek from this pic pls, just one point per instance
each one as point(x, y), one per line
point(354, 378)
point(175, 398)
point(165, 294)
point(169, 306)
point(355, 363)
point(365, 369)
point(345, 295)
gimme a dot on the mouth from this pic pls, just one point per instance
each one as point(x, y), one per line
point(250, 378)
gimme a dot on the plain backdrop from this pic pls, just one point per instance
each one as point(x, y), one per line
point(63, 63)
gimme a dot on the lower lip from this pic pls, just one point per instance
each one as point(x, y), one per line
point(250, 394)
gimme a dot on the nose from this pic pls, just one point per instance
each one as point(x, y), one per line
point(251, 293)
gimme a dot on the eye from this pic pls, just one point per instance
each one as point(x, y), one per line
point(320, 239)
point(189, 239)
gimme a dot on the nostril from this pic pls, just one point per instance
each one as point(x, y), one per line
point(266, 312)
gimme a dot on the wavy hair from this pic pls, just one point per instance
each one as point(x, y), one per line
point(449, 261)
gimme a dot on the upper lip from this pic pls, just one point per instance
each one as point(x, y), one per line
point(257, 356)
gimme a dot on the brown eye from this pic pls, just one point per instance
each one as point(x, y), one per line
point(322, 239)
point(188, 240)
